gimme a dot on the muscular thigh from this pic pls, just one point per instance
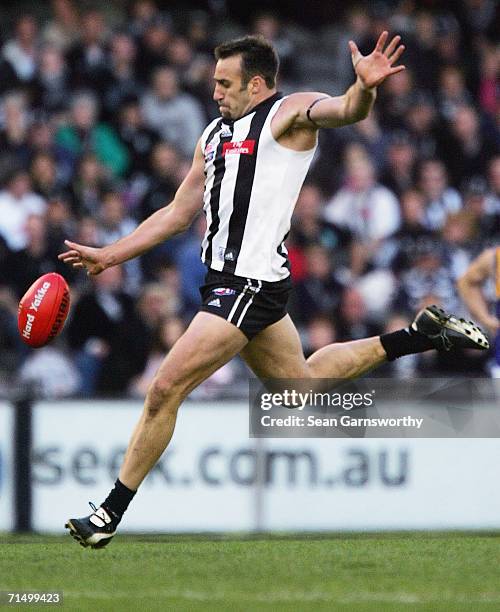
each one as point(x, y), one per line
point(208, 343)
point(276, 352)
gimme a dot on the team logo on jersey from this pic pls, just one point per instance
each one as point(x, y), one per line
point(224, 291)
point(210, 152)
point(239, 147)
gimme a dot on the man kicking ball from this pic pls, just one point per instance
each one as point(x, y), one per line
point(247, 171)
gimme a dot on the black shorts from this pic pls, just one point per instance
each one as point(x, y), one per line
point(249, 304)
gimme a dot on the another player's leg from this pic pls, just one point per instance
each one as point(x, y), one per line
point(207, 344)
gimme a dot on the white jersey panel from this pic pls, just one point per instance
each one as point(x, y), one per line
point(279, 175)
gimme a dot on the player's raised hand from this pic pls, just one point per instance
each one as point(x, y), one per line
point(373, 69)
point(84, 257)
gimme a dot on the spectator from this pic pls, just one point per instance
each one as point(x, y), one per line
point(317, 293)
point(21, 51)
point(492, 204)
point(352, 320)
point(199, 32)
point(14, 144)
point(272, 28)
point(427, 277)
point(403, 246)
point(113, 225)
point(397, 95)
point(44, 176)
point(177, 116)
point(468, 148)
point(489, 80)
point(366, 208)
point(17, 203)
point(136, 136)
point(440, 199)
point(154, 304)
point(51, 87)
point(87, 57)
point(142, 14)
point(422, 123)
point(164, 180)
point(422, 50)
point(89, 185)
point(452, 92)
point(61, 223)
point(400, 170)
point(63, 30)
point(153, 46)
point(83, 134)
point(122, 81)
point(180, 55)
point(458, 236)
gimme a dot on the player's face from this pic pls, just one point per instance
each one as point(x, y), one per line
point(230, 94)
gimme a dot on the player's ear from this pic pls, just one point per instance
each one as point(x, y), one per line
point(256, 84)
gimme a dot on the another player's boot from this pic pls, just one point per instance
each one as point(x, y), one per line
point(95, 530)
point(447, 332)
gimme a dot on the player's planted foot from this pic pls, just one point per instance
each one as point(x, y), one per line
point(95, 530)
point(447, 332)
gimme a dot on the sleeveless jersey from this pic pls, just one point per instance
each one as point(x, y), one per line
point(251, 186)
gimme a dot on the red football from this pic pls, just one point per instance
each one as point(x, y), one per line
point(43, 310)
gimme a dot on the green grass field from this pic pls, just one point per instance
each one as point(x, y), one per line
point(405, 571)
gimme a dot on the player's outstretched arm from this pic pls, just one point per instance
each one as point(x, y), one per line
point(470, 289)
point(315, 110)
point(163, 224)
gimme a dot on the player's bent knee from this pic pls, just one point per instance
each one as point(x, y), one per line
point(164, 394)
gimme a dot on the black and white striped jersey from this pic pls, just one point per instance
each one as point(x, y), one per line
point(251, 186)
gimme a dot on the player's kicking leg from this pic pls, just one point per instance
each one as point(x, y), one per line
point(207, 344)
point(276, 352)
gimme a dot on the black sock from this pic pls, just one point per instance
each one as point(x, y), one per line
point(118, 500)
point(404, 342)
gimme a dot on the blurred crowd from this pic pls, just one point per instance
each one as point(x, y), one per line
point(100, 111)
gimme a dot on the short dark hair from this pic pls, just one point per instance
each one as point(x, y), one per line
point(258, 57)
